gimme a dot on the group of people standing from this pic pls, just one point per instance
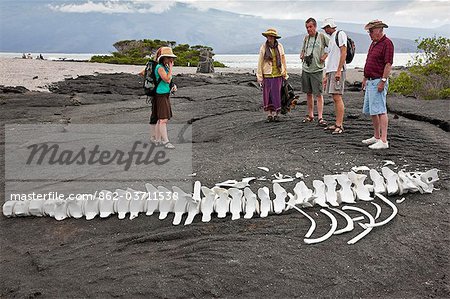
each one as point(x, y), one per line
point(324, 69)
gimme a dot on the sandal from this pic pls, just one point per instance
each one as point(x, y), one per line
point(321, 122)
point(308, 119)
point(338, 130)
point(276, 119)
point(269, 119)
point(168, 145)
point(331, 128)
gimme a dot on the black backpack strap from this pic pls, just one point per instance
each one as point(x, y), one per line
point(337, 38)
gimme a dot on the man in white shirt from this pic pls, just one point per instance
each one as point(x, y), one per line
point(335, 71)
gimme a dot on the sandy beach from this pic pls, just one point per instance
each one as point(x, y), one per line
point(256, 258)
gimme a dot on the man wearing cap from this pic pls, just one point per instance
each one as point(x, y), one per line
point(335, 72)
point(271, 72)
point(313, 55)
point(375, 83)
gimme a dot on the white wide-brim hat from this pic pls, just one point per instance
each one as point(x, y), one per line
point(328, 22)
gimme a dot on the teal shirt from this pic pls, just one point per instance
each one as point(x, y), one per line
point(163, 87)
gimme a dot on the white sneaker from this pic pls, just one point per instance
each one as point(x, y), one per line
point(371, 140)
point(379, 145)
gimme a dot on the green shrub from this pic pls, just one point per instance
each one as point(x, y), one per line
point(428, 76)
point(137, 52)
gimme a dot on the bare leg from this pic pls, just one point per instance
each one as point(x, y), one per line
point(163, 130)
point(310, 104)
point(319, 106)
point(376, 126)
point(339, 109)
point(383, 118)
point(152, 132)
point(157, 132)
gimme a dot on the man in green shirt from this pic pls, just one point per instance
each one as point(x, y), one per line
point(313, 56)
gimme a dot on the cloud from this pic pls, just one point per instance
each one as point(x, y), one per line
point(115, 6)
point(416, 13)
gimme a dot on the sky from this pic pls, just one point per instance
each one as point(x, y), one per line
point(415, 13)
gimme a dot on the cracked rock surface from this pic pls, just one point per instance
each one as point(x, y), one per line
point(256, 258)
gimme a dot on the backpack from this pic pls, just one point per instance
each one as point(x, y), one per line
point(351, 49)
point(150, 84)
point(288, 97)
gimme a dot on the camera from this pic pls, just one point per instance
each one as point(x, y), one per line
point(308, 59)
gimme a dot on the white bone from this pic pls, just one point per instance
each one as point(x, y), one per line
point(378, 207)
point(75, 208)
point(21, 208)
point(319, 193)
point(193, 209)
point(264, 168)
point(394, 212)
point(391, 180)
point(137, 202)
point(379, 185)
point(291, 200)
point(431, 176)
point(266, 203)
point(236, 203)
point(207, 205)
point(123, 203)
point(152, 199)
point(251, 203)
point(166, 202)
point(360, 189)
point(415, 179)
point(278, 176)
point(367, 230)
point(299, 175)
point(222, 204)
point(405, 184)
point(8, 208)
point(360, 168)
point(304, 195)
point(286, 180)
point(279, 203)
point(388, 162)
point(181, 200)
point(60, 209)
point(349, 227)
point(330, 191)
point(248, 180)
point(106, 203)
point(358, 218)
point(400, 200)
point(36, 208)
point(345, 194)
point(90, 208)
point(313, 223)
point(328, 234)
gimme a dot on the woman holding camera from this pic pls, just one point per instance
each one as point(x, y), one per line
point(313, 56)
point(271, 72)
point(163, 109)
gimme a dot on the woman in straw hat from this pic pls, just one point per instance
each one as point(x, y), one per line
point(161, 108)
point(271, 71)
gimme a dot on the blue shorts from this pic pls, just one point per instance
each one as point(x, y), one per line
point(375, 101)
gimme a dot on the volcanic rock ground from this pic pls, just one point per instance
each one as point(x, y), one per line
point(261, 257)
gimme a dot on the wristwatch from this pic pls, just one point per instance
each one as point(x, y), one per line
point(383, 79)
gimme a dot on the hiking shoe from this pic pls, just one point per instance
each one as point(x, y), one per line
point(379, 145)
point(168, 145)
point(371, 140)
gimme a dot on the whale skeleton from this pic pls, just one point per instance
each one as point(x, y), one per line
point(221, 201)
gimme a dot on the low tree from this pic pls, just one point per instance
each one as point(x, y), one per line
point(428, 75)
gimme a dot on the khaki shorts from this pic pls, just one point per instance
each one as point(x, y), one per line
point(332, 86)
point(312, 82)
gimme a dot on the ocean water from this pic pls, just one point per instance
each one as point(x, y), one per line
point(232, 61)
point(293, 60)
